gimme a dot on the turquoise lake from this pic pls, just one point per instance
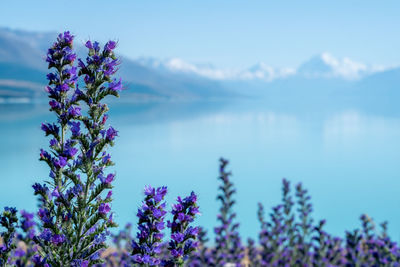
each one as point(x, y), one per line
point(346, 155)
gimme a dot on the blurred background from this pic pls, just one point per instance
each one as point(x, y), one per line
point(304, 90)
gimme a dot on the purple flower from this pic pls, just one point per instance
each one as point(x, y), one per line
point(107, 180)
point(19, 253)
point(39, 189)
point(54, 104)
point(50, 129)
point(110, 45)
point(80, 263)
point(158, 213)
point(46, 235)
point(75, 128)
point(45, 216)
point(111, 133)
point(104, 208)
point(183, 235)
point(106, 159)
point(178, 237)
point(64, 87)
point(57, 239)
point(69, 152)
point(81, 64)
point(66, 38)
point(115, 85)
point(39, 261)
point(177, 253)
point(105, 117)
point(160, 193)
point(74, 111)
point(70, 58)
point(61, 162)
point(89, 44)
point(151, 223)
point(44, 155)
point(55, 192)
point(27, 221)
point(96, 46)
point(110, 67)
point(53, 78)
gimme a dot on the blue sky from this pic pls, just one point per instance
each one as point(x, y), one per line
point(225, 33)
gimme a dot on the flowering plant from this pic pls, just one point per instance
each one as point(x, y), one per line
point(182, 242)
point(228, 249)
point(74, 213)
point(8, 220)
point(148, 247)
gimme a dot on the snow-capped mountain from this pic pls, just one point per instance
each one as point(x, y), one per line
point(259, 71)
point(22, 63)
point(324, 65)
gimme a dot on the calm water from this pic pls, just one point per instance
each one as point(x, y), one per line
point(346, 155)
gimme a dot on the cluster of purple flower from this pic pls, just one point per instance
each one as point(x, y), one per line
point(151, 223)
point(74, 213)
point(8, 220)
point(149, 248)
point(182, 242)
point(290, 237)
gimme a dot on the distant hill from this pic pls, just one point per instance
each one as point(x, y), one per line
point(22, 63)
point(23, 70)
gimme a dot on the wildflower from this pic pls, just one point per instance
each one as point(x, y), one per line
point(8, 220)
point(57, 239)
point(110, 45)
point(111, 134)
point(75, 128)
point(104, 208)
point(74, 111)
point(228, 245)
point(78, 141)
point(151, 222)
point(115, 86)
point(183, 236)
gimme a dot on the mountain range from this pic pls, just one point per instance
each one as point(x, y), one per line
point(23, 71)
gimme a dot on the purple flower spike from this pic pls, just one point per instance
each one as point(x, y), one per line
point(151, 223)
point(8, 221)
point(78, 148)
point(228, 245)
point(183, 237)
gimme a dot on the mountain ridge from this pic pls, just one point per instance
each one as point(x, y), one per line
point(22, 55)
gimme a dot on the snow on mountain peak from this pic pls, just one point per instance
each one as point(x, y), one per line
point(324, 65)
point(327, 66)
